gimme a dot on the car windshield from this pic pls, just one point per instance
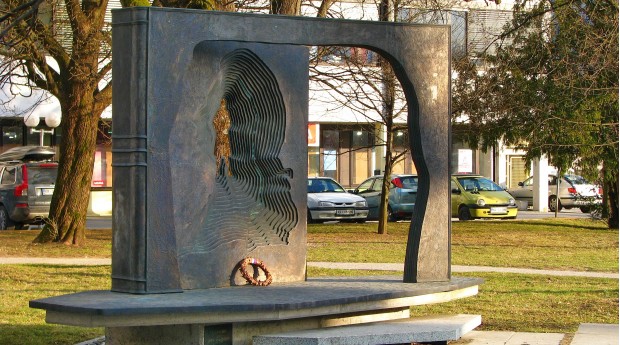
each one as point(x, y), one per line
point(479, 184)
point(323, 185)
point(576, 179)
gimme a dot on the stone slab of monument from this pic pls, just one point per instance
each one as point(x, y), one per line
point(181, 205)
point(212, 152)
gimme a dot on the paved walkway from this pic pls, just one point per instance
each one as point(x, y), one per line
point(56, 261)
point(457, 268)
point(336, 265)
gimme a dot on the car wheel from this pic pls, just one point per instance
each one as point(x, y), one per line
point(585, 209)
point(310, 220)
point(552, 204)
point(4, 218)
point(391, 216)
point(464, 213)
point(20, 226)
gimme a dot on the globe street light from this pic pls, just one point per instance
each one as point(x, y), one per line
point(51, 120)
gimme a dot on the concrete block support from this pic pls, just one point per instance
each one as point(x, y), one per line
point(541, 185)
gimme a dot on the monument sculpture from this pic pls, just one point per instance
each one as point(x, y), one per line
point(209, 159)
point(255, 73)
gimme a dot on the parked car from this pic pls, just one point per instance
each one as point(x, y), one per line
point(474, 196)
point(401, 199)
point(27, 180)
point(328, 200)
point(575, 191)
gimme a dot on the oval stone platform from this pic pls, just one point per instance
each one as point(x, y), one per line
point(236, 314)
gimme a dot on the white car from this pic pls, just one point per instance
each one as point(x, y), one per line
point(328, 200)
point(575, 191)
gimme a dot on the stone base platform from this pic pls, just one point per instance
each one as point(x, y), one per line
point(434, 330)
point(234, 315)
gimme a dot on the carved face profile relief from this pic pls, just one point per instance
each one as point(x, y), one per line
point(232, 192)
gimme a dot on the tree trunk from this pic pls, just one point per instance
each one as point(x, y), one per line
point(385, 187)
point(612, 203)
point(389, 91)
point(286, 7)
point(610, 198)
point(67, 217)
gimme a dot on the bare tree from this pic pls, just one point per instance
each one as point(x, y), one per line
point(63, 48)
point(72, 65)
point(365, 84)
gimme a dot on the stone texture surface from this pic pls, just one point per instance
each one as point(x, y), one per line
point(178, 334)
point(278, 301)
point(184, 217)
point(431, 329)
point(596, 333)
point(511, 338)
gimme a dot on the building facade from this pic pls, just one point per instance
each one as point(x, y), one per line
point(346, 134)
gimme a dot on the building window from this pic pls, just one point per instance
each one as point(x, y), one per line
point(11, 137)
point(344, 155)
point(404, 165)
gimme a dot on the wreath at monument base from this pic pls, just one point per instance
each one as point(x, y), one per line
point(243, 264)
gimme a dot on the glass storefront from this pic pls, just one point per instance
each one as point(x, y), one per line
point(343, 153)
point(404, 165)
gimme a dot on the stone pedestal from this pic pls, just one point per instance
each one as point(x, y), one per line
point(234, 315)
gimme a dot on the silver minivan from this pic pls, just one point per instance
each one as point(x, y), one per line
point(27, 181)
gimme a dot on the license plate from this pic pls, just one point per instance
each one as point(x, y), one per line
point(499, 210)
point(345, 212)
point(47, 191)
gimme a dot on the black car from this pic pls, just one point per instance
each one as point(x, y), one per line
point(27, 180)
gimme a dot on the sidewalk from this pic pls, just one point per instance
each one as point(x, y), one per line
point(335, 265)
point(457, 268)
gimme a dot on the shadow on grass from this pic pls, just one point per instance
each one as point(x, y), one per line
point(46, 334)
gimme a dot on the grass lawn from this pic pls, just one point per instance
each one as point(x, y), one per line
point(19, 284)
point(562, 244)
point(506, 301)
point(525, 303)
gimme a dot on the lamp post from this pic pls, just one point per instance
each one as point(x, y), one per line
point(51, 120)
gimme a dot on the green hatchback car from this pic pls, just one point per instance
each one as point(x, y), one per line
point(474, 196)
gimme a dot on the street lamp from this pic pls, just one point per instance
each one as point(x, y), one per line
point(51, 120)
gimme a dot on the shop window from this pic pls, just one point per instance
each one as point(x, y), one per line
point(39, 136)
point(404, 165)
point(314, 164)
point(329, 159)
point(11, 137)
point(517, 171)
point(102, 167)
point(345, 154)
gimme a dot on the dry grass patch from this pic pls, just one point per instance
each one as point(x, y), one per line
point(18, 243)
